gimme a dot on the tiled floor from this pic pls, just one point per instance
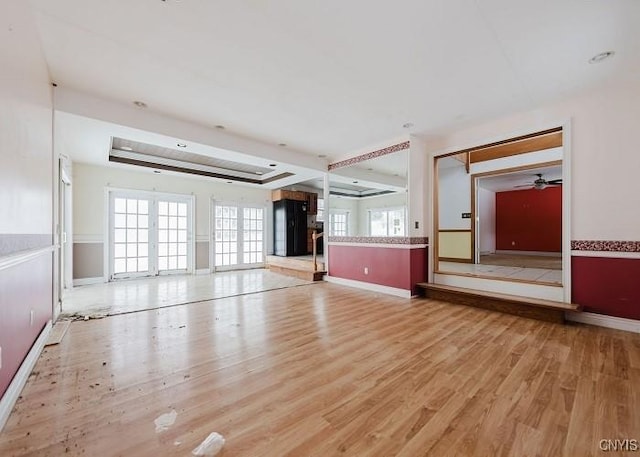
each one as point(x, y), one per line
point(541, 275)
point(158, 292)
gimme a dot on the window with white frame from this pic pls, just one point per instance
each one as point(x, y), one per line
point(339, 223)
point(320, 213)
point(387, 222)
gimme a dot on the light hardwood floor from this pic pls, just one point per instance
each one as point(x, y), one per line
point(325, 370)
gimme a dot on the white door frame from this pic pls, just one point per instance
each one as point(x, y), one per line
point(153, 197)
point(66, 234)
point(566, 125)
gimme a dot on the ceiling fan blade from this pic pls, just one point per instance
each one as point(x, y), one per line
point(555, 182)
point(525, 185)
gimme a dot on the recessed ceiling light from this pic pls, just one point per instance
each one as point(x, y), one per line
point(369, 169)
point(126, 148)
point(602, 56)
point(283, 145)
point(258, 172)
point(221, 127)
point(322, 156)
point(181, 145)
point(140, 104)
point(408, 125)
point(156, 172)
point(355, 182)
point(229, 182)
point(272, 164)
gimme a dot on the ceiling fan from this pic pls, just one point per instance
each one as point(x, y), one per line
point(542, 183)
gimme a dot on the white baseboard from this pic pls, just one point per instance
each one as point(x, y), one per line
point(369, 286)
point(10, 397)
point(88, 281)
point(203, 271)
point(620, 323)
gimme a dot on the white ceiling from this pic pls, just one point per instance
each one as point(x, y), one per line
point(332, 77)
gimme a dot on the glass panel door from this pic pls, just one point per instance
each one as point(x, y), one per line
point(226, 235)
point(252, 235)
point(130, 237)
point(173, 225)
point(150, 234)
point(239, 236)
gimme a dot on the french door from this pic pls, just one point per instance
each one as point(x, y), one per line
point(238, 236)
point(150, 234)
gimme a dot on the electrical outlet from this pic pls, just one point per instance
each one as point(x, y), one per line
point(31, 317)
point(417, 224)
point(366, 270)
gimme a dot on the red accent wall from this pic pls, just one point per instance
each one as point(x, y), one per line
point(24, 287)
point(393, 267)
point(606, 285)
point(419, 267)
point(530, 218)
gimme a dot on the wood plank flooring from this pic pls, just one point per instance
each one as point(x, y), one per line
point(325, 370)
point(523, 261)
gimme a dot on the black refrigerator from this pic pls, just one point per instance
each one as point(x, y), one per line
point(289, 227)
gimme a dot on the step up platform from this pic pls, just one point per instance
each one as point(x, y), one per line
point(534, 308)
point(298, 267)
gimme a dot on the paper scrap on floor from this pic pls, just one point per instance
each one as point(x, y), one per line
point(164, 421)
point(211, 445)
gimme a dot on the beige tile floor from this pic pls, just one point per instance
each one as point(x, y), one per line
point(541, 275)
point(128, 296)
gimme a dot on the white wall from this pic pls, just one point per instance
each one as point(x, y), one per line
point(397, 200)
point(359, 209)
point(25, 126)
point(454, 198)
point(26, 199)
point(604, 148)
point(89, 182)
point(344, 204)
point(419, 189)
point(487, 220)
